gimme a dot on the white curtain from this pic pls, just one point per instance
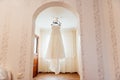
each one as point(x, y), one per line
point(69, 64)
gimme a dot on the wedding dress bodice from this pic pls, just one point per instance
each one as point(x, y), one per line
point(55, 28)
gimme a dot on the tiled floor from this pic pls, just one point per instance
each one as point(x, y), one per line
point(52, 76)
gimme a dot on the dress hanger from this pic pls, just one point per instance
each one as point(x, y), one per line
point(56, 21)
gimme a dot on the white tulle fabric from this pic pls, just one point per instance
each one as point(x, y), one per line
point(55, 47)
point(55, 51)
point(69, 64)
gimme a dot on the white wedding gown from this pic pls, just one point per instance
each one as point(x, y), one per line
point(55, 51)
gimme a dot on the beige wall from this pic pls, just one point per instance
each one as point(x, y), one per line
point(15, 36)
point(111, 20)
point(110, 10)
point(98, 46)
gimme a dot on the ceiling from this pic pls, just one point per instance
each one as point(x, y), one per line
point(66, 17)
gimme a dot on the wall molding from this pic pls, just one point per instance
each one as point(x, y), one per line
point(98, 37)
point(114, 40)
point(79, 7)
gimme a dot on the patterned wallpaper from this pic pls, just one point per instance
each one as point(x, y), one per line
point(23, 53)
point(98, 37)
point(114, 40)
point(4, 44)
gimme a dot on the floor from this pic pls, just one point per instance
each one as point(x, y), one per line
point(52, 76)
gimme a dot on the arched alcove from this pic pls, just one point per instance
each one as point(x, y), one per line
point(52, 4)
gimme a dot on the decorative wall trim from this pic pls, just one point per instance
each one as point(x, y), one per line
point(4, 45)
point(23, 53)
point(98, 37)
point(79, 6)
point(114, 40)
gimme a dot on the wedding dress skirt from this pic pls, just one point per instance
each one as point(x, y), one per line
point(55, 51)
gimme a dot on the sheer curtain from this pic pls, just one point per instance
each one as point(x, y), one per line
point(69, 64)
